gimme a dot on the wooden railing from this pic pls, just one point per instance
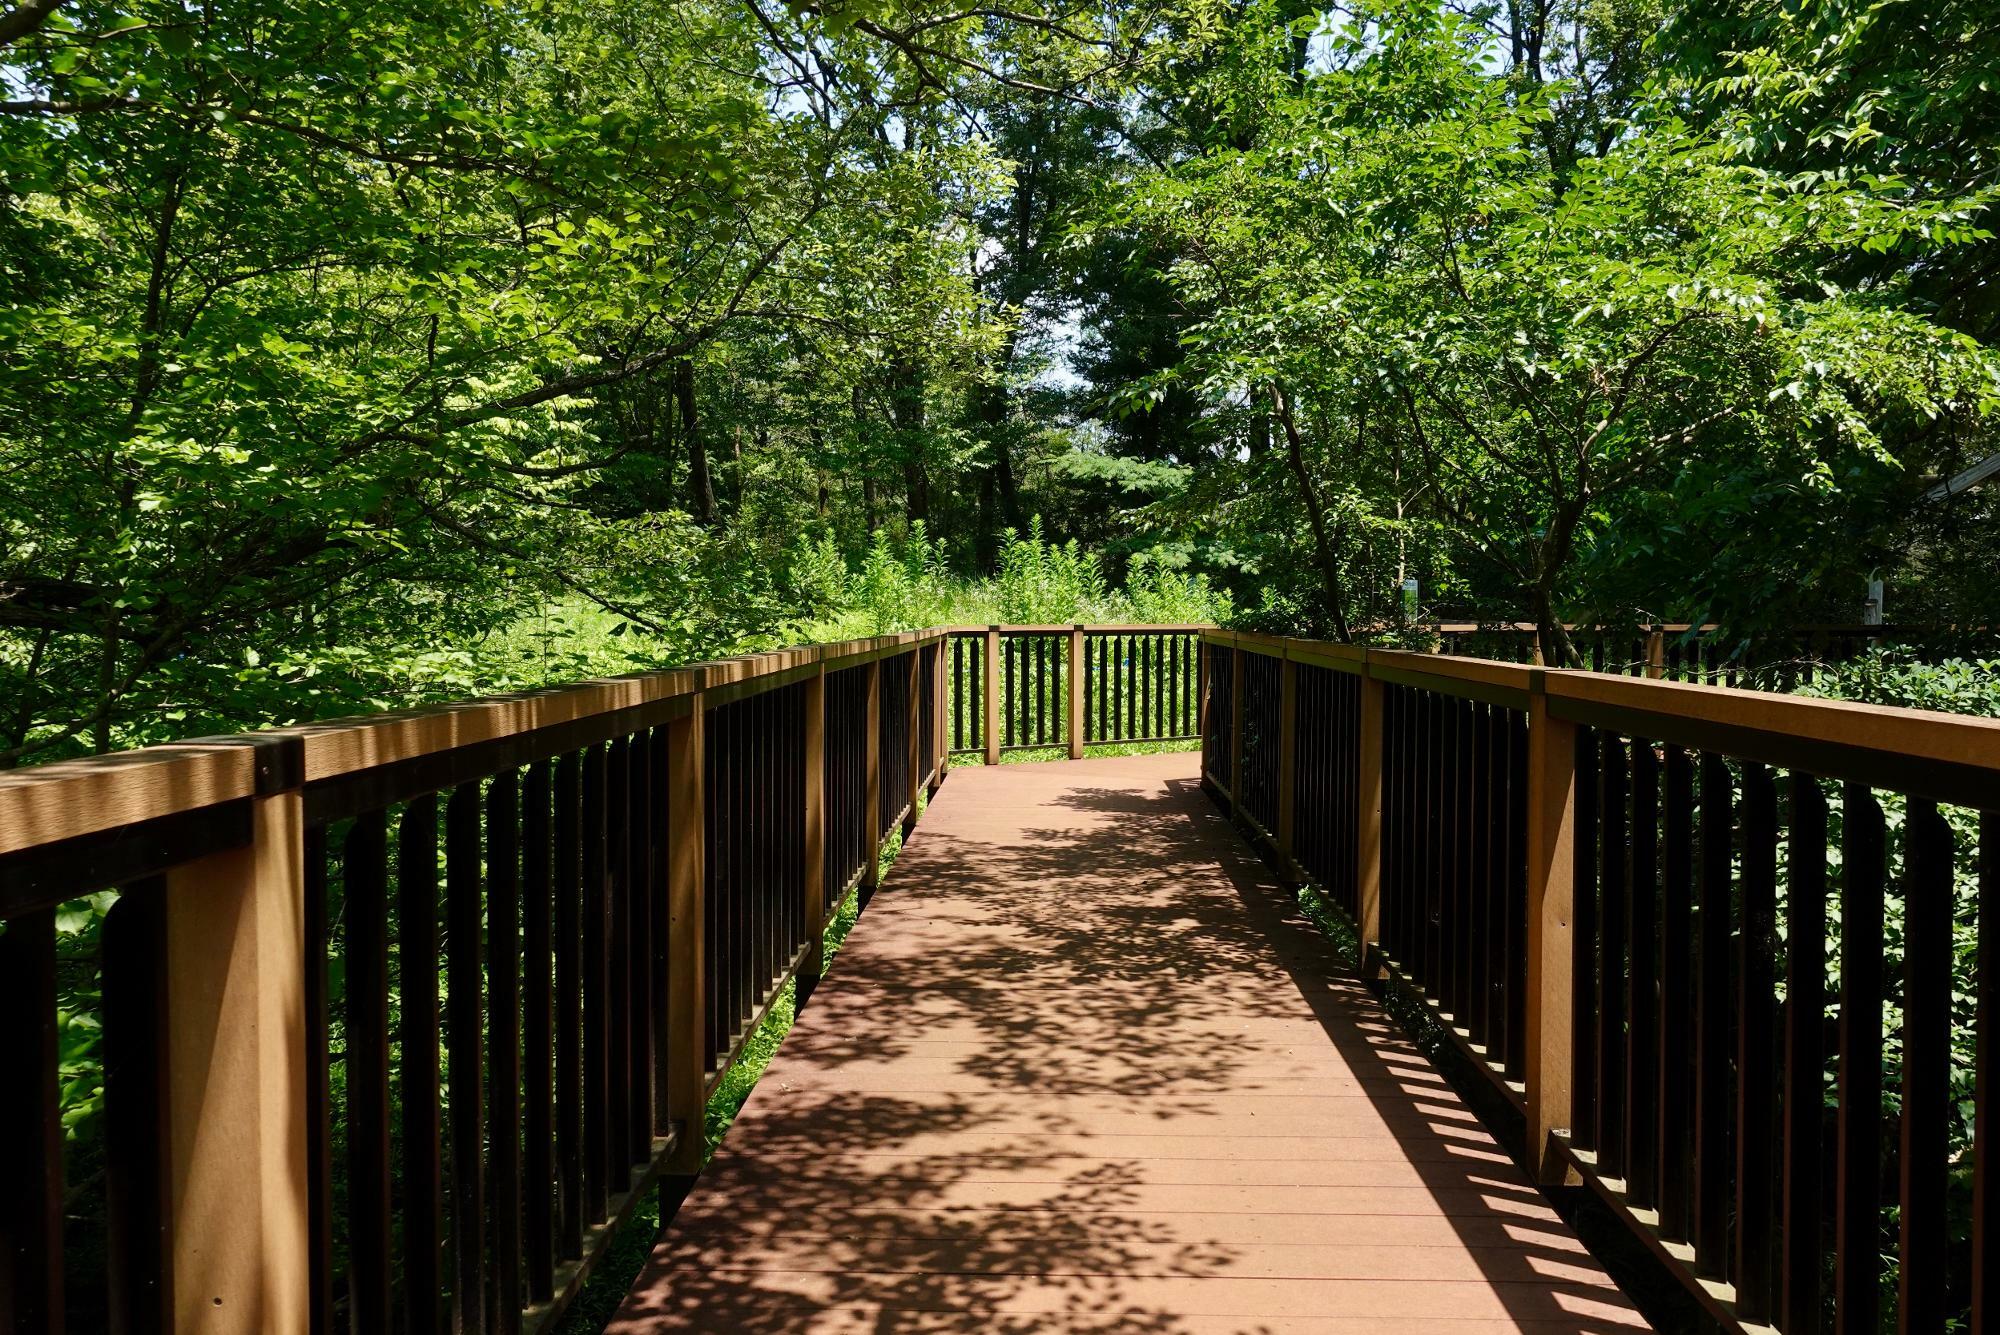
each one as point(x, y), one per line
point(1029, 687)
point(402, 1015)
point(1726, 954)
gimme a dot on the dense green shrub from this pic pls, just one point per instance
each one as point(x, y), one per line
point(1156, 591)
point(1043, 582)
point(1892, 677)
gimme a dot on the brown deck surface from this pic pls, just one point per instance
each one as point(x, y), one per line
point(1083, 1066)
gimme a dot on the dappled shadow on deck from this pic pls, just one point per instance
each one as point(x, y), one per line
point(1083, 1066)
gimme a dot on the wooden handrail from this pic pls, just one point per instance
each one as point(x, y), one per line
point(1946, 757)
point(46, 804)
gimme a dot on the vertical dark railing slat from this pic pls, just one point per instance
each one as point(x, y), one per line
point(1016, 706)
point(1858, 1198)
point(1183, 682)
point(1096, 689)
point(1142, 688)
point(1393, 863)
point(1468, 873)
point(319, 1094)
point(1008, 693)
point(1463, 717)
point(1048, 670)
point(1059, 691)
point(1031, 688)
point(569, 1005)
point(1125, 690)
point(1924, 1255)
point(1104, 665)
point(138, 1203)
point(1805, 1058)
point(1985, 1192)
point(1614, 898)
point(466, 1071)
point(727, 902)
point(744, 887)
point(1517, 894)
point(1149, 677)
point(370, 1233)
point(417, 969)
point(1035, 720)
point(31, 1184)
point(1714, 1164)
point(1121, 686)
point(1433, 864)
point(1184, 688)
point(595, 970)
point(1756, 1053)
point(1490, 854)
point(1677, 999)
point(715, 872)
point(1409, 885)
point(643, 860)
point(1583, 944)
point(1121, 675)
point(503, 990)
point(756, 888)
point(537, 1037)
point(1642, 1064)
point(617, 964)
point(1484, 911)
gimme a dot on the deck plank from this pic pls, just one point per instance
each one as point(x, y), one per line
point(1084, 1067)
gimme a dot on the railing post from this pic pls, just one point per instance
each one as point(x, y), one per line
point(1656, 653)
point(1550, 982)
point(1288, 763)
point(813, 848)
point(991, 723)
point(1368, 822)
point(1235, 731)
point(236, 1082)
point(1076, 687)
point(915, 739)
point(686, 799)
point(871, 801)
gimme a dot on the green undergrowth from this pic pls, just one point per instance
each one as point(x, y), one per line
point(620, 1265)
point(1039, 754)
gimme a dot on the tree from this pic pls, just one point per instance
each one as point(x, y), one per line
point(1400, 257)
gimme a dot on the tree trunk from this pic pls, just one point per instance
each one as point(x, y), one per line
point(1552, 642)
point(1323, 543)
point(986, 544)
point(1259, 439)
point(701, 490)
point(916, 493)
point(906, 412)
point(993, 411)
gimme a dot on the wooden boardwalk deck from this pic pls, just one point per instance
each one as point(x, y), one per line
point(1084, 1067)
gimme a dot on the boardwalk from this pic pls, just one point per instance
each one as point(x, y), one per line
point(1083, 1067)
